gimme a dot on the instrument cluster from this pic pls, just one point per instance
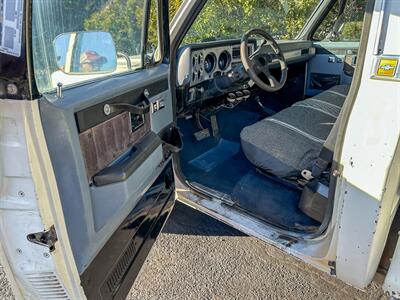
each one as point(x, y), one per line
point(207, 63)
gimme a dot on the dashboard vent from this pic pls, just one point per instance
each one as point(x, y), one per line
point(236, 53)
point(47, 285)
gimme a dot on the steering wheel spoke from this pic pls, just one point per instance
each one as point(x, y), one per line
point(272, 80)
point(267, 74)
point(253, 62)
point(261, 49)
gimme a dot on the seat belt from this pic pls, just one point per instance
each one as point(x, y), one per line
point(326, 155)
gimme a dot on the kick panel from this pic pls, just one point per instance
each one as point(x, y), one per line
point(321, 81)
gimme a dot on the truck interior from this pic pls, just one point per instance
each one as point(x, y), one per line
point(259, 116)
point(246, 112)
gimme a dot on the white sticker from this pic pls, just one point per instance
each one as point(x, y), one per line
point(11, 17)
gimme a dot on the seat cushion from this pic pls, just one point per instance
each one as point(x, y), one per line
point(291, 140)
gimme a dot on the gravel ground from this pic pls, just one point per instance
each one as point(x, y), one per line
point(5, 289)
point(197, 257)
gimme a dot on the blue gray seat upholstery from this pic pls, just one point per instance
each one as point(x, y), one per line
point(290, 141)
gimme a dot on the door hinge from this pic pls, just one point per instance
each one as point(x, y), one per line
point(332, 265)
point(46, 238)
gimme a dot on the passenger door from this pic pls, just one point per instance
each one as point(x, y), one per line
point(336, 43)
point(101, 72)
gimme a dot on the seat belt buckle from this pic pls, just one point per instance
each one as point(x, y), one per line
point(307, 175)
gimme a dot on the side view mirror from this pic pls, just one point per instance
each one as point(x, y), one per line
point(85, 53)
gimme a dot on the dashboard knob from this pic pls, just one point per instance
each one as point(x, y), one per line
point(246, 92)
point(232, 95)
point(239, 94)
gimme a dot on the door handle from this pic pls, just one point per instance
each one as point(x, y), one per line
point(331, 59)
point(121, 170)
point(139, 109)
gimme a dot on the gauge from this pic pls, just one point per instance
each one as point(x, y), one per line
point(224, 60)
point(209, 63)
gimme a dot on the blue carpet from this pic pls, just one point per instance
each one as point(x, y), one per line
point(219, 163)
point(223, 151)
point(270, 200)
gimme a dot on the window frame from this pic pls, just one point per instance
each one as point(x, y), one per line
point(162, 33)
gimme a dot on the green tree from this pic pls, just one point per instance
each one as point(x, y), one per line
point(123, 19)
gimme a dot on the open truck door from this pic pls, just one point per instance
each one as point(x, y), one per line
point(87, 139)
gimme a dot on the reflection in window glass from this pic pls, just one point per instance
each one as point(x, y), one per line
point(85, 52)
point(122, 19)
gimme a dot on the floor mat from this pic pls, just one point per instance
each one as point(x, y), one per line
point(223, 151)
point(231, 122)
point(271, 201)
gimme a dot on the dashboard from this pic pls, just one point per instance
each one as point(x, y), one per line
point(207, 63)
point(205, 70)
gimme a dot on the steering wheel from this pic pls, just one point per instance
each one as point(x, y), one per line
point(256, 64)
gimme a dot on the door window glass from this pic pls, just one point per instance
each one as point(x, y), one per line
point(343, 22)
point(76, 41)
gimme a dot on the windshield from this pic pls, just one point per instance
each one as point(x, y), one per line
point(230, 19)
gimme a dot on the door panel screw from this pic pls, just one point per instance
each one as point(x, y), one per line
point(12, 89)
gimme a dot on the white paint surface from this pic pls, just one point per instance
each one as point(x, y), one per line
point(370, 173)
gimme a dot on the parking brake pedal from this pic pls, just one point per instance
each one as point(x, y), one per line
point(203, 132)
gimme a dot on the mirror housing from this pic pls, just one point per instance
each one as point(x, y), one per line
point(85, 53)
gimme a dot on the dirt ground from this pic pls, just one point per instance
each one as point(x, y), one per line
point(197, 257)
